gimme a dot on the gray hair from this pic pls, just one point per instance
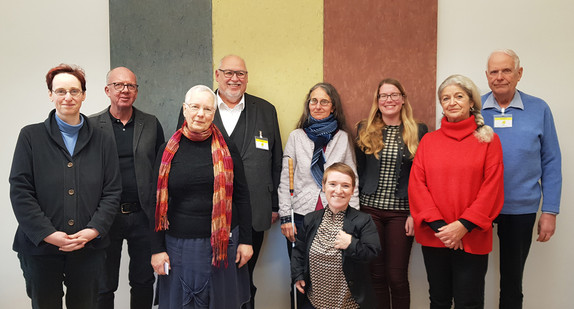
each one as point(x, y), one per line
point(509, 52)
point(483, 132)
point(197, 89)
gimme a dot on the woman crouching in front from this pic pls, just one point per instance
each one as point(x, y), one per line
point(330, 262)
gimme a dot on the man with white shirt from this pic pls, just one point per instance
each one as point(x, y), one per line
point(251, 123)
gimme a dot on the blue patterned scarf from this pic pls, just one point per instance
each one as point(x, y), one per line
point(320, 132)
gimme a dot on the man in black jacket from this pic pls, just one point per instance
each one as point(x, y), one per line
point(138, 136)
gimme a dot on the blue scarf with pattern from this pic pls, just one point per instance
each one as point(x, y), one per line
point(320, 132)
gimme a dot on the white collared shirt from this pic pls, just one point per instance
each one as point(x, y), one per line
point(230, 116)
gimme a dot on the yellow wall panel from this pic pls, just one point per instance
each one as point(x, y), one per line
point(282, 44)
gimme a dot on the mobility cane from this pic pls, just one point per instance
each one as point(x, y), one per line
point(291, 189)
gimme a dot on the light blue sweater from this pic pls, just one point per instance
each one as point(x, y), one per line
point(532, 160)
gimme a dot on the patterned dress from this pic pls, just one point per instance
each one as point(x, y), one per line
point(329, 287)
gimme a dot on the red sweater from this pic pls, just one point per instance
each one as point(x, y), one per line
point(454, 176)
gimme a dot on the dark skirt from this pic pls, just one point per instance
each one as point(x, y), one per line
point(194, 283)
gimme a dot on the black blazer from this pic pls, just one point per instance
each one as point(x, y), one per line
point(148, 137)
point(364, 247)
point(262, 167)
point(368, 167)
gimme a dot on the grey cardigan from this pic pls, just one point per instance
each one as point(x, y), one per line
point(300, 148)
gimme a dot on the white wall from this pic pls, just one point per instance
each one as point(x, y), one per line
point(540, 32)
point(35, 38)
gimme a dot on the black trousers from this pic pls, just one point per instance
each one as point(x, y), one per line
point(79, 270)
point(515, 235)
point(302, 300)
point(257, 238)
point(134, 228)
point(455, 274)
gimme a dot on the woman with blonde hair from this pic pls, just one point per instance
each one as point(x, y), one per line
point(387, 141)
point(456, 191)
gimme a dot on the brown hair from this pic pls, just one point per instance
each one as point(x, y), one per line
point(74, 70)
point(335, 100)
point(341, 168)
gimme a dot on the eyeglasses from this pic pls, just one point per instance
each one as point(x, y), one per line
point(230, 73)
point(61, 92)
point(121, 86)
point(322, 102)
point(394, 96)
point(194, 108)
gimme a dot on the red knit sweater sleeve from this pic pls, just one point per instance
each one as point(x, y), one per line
point(490, 197)
point(421, 203)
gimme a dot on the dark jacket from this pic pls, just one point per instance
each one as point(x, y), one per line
point(364, 247)
point(53, 191)
point(369, 167)
point(262, 167)
point(148, 137)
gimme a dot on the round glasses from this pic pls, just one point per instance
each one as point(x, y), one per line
point(194, 108)
point(61, 92)
point(322, 102)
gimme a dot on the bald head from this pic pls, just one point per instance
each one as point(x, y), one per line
point(231, 87)
point(125, 80)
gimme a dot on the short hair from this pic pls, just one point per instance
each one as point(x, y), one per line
point(197, 89)
point(483, 132)
point(231, 55)
point(509, 52)
point(335, 100)
point(74, 70)
point(341, 168)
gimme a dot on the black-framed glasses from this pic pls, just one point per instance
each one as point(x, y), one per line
point(61, 92)
point(121, 86)
point(394, 96)
point(323, 102)
point(229, 73)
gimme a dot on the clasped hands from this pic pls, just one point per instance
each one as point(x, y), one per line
point(73, 242)
point(451, 235)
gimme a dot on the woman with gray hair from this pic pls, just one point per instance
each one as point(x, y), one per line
point(455, 192)
point(202, 235)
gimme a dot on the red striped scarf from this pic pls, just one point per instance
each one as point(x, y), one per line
point(222, 187)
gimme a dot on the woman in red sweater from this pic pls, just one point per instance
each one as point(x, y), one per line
point(455, 191)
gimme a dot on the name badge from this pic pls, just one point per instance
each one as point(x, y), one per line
point(503, 121)
point(261, 143)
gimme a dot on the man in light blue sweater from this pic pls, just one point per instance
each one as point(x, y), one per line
point(532, 168)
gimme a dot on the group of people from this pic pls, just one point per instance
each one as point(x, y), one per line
point(194, 209)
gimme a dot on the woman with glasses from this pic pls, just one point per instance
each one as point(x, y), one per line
point(318, 142)
point(386, 144)
point(456, 191)
point(65, 190)
point(202, 238)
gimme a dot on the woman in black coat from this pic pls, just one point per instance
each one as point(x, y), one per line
point(331, 265)
point(65, 190)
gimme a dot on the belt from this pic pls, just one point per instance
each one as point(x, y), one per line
point(128, 208)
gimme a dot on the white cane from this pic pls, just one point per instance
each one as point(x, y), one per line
point(291, 189)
